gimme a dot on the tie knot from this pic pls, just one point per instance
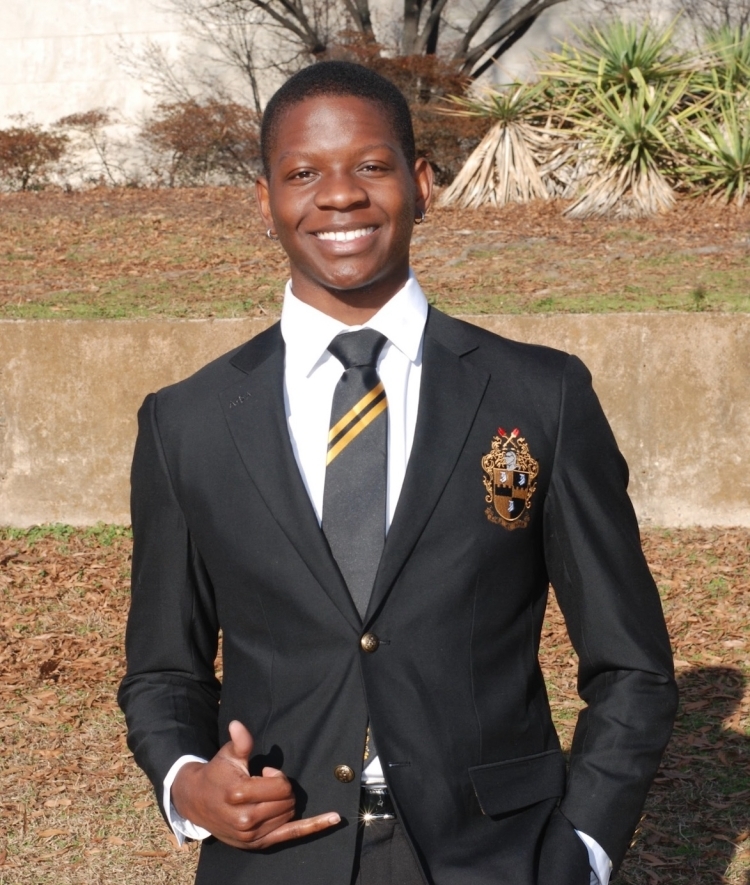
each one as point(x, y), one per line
point(360, 348)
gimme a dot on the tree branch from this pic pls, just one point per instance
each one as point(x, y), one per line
point(530, 10)
point(432, 21)
point(307, 35)
point(476, 23)
point(359, 10)
point(410, 34)
point(503, 48)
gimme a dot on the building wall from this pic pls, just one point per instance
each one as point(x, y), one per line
point(59, 57)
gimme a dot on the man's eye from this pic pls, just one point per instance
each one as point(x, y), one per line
point(302, 174)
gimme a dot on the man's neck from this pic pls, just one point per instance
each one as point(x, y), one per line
point(350, 307)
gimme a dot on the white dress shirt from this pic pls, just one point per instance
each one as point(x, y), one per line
point(310, 377)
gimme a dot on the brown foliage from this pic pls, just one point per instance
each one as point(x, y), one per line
point(27, 152)
point(446, 141)
point(88, 132)
point(88, 121)
point(421, 78)
point(198, 141)
point(426, 81)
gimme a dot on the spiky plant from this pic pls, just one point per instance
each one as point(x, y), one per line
point(634, 142)
point(504, 168)
point(719, 160)
point(621, 57)
point(727, 68)
point(628, 90)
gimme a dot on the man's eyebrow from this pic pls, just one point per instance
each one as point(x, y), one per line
point(306, 155)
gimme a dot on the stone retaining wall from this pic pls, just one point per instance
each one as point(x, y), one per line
point(676, 388)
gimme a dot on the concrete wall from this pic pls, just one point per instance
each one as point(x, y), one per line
point(676, 388)
point(57, 57)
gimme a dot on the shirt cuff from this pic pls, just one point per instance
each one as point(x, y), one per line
point(601, 865)
point(181, 826)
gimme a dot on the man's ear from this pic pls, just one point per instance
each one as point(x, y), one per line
point(423, 181)
point(264, 200)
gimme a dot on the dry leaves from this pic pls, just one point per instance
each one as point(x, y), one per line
point(74, 808)
point(198, 252)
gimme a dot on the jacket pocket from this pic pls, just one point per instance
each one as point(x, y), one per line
point(506, 786)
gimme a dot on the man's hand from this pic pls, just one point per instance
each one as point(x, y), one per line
point(243, 811)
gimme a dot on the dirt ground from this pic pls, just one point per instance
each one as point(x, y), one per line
point(74, 808)
point(203, 252)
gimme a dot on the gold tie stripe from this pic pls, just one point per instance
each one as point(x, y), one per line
point(356, 419)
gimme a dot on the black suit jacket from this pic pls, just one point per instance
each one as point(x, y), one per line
point(226, 539)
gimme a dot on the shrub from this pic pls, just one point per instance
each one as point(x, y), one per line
point(507, 165)
point(635, 141)
point(197, 142)
point(719, 151)
point(88, 133)
point(728, 61)
point(28, 153)
point(620, 57)
point(447, 142)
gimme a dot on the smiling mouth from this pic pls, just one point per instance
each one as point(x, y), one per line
point(343, 236)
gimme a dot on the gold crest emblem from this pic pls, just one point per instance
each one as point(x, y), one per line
point(510, 480)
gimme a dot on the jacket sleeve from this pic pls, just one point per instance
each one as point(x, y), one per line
point(614, 618)
point(170, 694)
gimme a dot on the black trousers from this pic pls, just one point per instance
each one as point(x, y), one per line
point(385, 856)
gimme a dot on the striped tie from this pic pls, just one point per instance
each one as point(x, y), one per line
point(354, 499)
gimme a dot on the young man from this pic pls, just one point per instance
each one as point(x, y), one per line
point(371, 517)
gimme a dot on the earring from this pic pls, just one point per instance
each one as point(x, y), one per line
point(270, 234)
point(421, 217)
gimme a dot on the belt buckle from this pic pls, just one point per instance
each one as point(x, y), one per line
point(376, 804)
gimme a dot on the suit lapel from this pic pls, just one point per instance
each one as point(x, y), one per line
point(254, 410)
point(450, 393)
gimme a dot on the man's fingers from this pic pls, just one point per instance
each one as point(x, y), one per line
point(296, 829)
point(254, 830)
point(258, 790)
point(241, 744)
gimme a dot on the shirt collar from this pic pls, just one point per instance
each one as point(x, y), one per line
point(307, 332)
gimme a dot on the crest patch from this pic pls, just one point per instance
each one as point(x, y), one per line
point(510, 480)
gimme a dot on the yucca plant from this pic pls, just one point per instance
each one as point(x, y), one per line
point(719, 159)
point(504, 168)
point(627, 91)
point(634, 143)
point(621, 57)
point(727, 68)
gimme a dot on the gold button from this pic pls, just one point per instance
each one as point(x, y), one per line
point(344, 774)
point(369, 642)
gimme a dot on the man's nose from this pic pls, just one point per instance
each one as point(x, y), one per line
point(340, 191)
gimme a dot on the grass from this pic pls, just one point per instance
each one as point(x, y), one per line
point(110, 254)
point(74, 810)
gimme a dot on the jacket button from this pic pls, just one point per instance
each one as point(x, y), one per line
point(369, 642)
point(344, 774)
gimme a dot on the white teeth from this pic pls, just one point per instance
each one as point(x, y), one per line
point(343, 236)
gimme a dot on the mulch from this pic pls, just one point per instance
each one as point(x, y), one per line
point(74, 808)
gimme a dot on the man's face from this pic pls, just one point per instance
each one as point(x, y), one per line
point(342, 199)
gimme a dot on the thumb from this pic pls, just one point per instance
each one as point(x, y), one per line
point(240, 746)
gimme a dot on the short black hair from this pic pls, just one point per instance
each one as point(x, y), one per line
point(338, 78)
